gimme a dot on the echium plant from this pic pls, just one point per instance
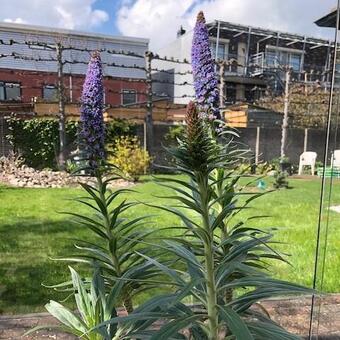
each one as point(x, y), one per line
point(116, 237)
point(92, 134)
point(217, 254)
point(203, 69)
point(116, 256)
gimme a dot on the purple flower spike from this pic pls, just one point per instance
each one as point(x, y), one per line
point(91, 118)
point(205, 81)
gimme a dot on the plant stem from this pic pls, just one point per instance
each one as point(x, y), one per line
point(211, 294)
point(127, 301)
point(209, 260)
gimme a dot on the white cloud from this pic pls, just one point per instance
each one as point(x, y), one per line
point(159, 20)
point(16, 20)
point(72, 14)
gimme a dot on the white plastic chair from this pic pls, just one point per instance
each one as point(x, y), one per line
point(336, 159)
point(307, 158)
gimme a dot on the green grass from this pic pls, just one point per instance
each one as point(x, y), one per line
point(32, 231)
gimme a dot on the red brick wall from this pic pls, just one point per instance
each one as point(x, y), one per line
point(32, 83)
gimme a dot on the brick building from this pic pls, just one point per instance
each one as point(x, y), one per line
point(26, 73)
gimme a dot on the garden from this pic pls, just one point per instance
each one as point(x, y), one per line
point(190, 251)
point(35, 233)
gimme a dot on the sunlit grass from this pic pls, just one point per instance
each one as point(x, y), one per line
point(32, 231)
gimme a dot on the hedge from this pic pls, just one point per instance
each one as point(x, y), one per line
point(37, 140)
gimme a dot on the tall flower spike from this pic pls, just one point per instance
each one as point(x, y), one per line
point(197, 143)
point(92, 123)
point(205, 81)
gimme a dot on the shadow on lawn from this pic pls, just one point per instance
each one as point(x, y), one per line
point(26, 249)
point(21, 285)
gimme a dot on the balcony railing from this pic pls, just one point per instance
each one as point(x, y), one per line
point(260, 64)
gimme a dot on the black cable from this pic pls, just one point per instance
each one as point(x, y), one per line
point(323, 183)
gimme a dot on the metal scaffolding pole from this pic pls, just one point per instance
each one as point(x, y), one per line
point(61, 101)
point(149, 105)
point(285, 115)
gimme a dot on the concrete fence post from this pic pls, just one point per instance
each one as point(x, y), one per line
point(305, 141)
point(257, 145)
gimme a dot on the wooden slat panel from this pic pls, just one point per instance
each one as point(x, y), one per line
point(236, 125)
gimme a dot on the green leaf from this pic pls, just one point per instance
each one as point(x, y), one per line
point(262, 330)
point(81, 297)
point(66, 317)
point(235, 323)
point(170, 330)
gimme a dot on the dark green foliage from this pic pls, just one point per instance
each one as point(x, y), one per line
point(118, 246)
point(174, 133)
point(37, 140)
point(119, 127)
point(280, 180)
point(217, 253)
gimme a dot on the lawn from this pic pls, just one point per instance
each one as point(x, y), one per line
point(32, 231)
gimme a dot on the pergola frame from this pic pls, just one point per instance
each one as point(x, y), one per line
point(266, 34)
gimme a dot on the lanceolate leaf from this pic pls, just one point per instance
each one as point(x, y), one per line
point(235, 323)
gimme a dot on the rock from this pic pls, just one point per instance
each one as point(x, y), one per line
point(14, 173)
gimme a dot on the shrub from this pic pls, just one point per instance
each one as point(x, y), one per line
point(37, 140)
point(174, 133)
point(251, 168)
point(280, 180)
point(130, 157)
point(119, 127)
point(263, 168)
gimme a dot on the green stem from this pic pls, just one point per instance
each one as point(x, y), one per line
point(211, 294)
point(209, 261)
point(127, 301)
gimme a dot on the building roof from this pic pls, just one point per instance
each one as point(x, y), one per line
point(52, 31)
point(240, 29)
point(328, 20)
point(25, 55)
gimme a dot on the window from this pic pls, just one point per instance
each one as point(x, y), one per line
point(129, 97)
point(50, 93)
point(271, 58)
point(9, 91)
point(222, 51)
point(275, 56)
point(295, 61)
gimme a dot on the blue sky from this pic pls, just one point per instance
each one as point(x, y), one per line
point(159, 20)
point(111, 7)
